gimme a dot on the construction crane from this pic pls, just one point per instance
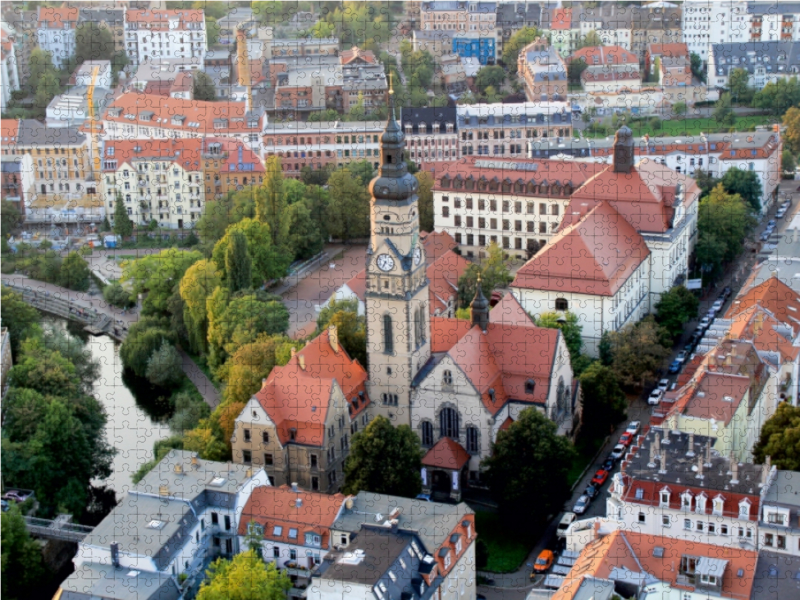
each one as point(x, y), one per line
point(93, 125)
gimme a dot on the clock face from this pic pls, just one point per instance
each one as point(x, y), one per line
point(417, 255)
point(385, 262)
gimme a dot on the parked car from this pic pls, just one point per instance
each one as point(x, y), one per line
point(14, 496)
point(633, 427)
point(618, 452)
point(592, 491)
point(625, 439)
point(781, 213)
point(771, 224)
point(564, 524)
point(543, 562)
point(674, 367)
point(726, 292)
point(717, 306)
point(425, 497)
point(705, 322)
point(681, 356)
point(765, 236)
point(663, 385)
point(610, 462)
point(582, 504)
point(656, 395)
point(600, 477)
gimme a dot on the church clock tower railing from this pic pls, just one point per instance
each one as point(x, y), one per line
point(397, 312)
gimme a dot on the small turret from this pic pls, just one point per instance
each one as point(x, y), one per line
point(480, 308)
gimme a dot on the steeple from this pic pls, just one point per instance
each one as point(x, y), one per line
point(480, 308)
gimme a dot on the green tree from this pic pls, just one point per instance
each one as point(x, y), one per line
point(723, 223)
point(705, 181)
point(788, 161)
point(363, 171)
point(575, 69)
point(203, 86)
point(197, 284)
point(738, 84)
point(527, 470)
point(158, 276)
point(638, 349)
point(93, 42)
point(238, 264)
point(305, 238)
point(384, 460)
point(778, 96)
point(490, 76)
point(39, 63)
point(494, 274)
point(723, 111)
point(144, 337)
point(75, 273)
point(45, 371)
point(248, 366)
point(780, 439)
point(270, 201)
point(164, 367)
point(268, 261)
point(189, 411)
point(590, 40)
point(322, 29)
point(679, 108)
point(348, 209)
point(22, 567)
point(47, 89)
point(697, 66)
point(746, 184)
point(352, 331)
point(603, 403)
point(570, 329)
point(675, 308)
point(212, 31)
point(73, 349)
point(425, 202)
point(245, 577)
point(21, 319)
point(123, 226)
point(116, 295)
point(791, 137)
point(10, 217)
point(517, 42)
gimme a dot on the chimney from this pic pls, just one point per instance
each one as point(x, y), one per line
point(244, 67)
point(623, 150)
point(115, 554)
point(263, 383)
point(294, 486)
point(178, 469)
point(333, 338)
point(394, 525)
point(195, 462)
point(301, 361)
point(163, 490)
point(765, 469)
point(690, 447)
point(298, 502)
point(657, 442)
point(734, 469)
point(662, 459)
point(699, 467)
point(294, 351)
point(652, 462)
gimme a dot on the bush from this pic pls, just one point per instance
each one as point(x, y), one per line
point(118, 296)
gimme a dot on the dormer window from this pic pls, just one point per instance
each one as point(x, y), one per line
point(530, 384)
point(744, 509)
point(686, 501)
point(663, 498)
point(718, 506)
point(700, 504)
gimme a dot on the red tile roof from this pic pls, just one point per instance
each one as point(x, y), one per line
point(635, 552)
point(443, 275)
point(358, 285)
point(436, 243)
point(9, 129)
point(510, 312)
point(159, 19)
point(446, 454)
point(605, 55)
point(561, 19)
point(445, 333)
point(773, 295)
point(356, 53)
point(297, 396)
point(51, 17)
point(594, 256)
point(673, 50)
point(714, 396)
point(203, 113)
point(269, 506)
point(758, 325)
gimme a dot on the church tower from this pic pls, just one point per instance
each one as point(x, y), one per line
point(397, 312)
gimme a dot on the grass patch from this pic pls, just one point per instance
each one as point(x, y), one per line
point(688, 127)
point(507, 548)
point(202, 364)
point(586, 449)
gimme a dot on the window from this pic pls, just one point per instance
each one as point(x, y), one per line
point(687, 524)
point(686, 501)
point(388, 338)
point(781, 542)
point(227, 523)
point(744, 509)
point(473, 446)
point(277, 531)
point(448, 423)
point(268, 459)
point(665, 522)
point(664, 498)
point(293, 533)
point(427, 433)
point(447, 378)
point(315, 483)
point(214, 518)
point(445, 211)
point(530, 384)
point(717, 506)
point(562, 304)
point(246, 435)
point(276, 552)
point(723, 529)
point(642, 518)
point(708, 579)
point(712, 528)
point(292, 553)
point(247, 456)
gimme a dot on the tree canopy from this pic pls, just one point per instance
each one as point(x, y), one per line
point(675, 308)
point(348, 209)
point(603, 403)
point(746, 184)
point(780, 439)
point(494, 274)
point(778, 96)
point(425, 203)
point(385, 460)
point(157, 276)
point(723, 223)
point(517, 42)
point(203, 86)
point(245, 577)
point(638, 350)
point(22, 567)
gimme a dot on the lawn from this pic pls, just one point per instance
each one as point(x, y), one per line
point(507, 549)
point(689, 127)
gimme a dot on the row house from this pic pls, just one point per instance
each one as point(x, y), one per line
point(164, 34)
point(517, 205)
point(674, 64)
point(705, 24)
point(543, 71)
point(56, 32)
point(392, 547)
point(141, 116)
point(765, 62)
point(319, 144)
point(460, 16)
point(431, 133)
point(294, 527)
point(308, 47)
point(298, 426)
point(9, 73)
point(677, 485)
point(64, 187)
point(607, 67)
point(167, 528)
point(513, 16)
point(779, 525)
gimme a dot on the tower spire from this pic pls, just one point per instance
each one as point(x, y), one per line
point(480, 308)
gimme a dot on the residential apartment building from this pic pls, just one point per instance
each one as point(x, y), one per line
point(181, 516)
point(17, 184)
point(431, 133)
point(461, 16)
point(676, 485)
point(669, 64)
point(21, 27)
point(608, 68)
point(299, 424)
point(513, 16)
point(162, 33)
point(779, 525)
point(563, 27)
point(307, 47)
point(774, 21)
point(392, 547)
point(9, 74)
point(64, 187)
point(56, 32)
point(765, 62)
point(707, 23)
point(169, 181)
point(482, 48)
point(543, 71)
point(321, 143)
point(141, 116)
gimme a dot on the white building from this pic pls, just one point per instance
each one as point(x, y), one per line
point(765, 62)
point(706, 23)
point(70, 109)
point(182, 514)
point(9, 74)
point(779, 527)
point(56, 32)
point(164, 34)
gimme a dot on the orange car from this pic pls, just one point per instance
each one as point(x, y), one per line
point(543, 562)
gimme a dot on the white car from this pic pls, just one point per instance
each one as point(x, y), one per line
point(655, 397)
point(563, 525)
point(618, 451)
point(717, 306)
point(634, 427)
point(581, 505)
point(705, 322)
point(663, 385)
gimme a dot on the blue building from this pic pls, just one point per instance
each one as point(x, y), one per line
point(481, 48)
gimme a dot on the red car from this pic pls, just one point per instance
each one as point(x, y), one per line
point(600, 477)
point(626, 438)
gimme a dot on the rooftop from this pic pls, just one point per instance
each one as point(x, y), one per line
point(93, 581)
point(777, 575)
point(784, 489)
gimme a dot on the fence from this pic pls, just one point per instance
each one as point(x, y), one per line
point(60, 528)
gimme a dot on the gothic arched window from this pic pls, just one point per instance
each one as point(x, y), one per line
point(427, 433)
point(448, 423)
point(473, 446)
point(388, 334)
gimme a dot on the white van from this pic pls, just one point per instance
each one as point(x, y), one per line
point(564, 524)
